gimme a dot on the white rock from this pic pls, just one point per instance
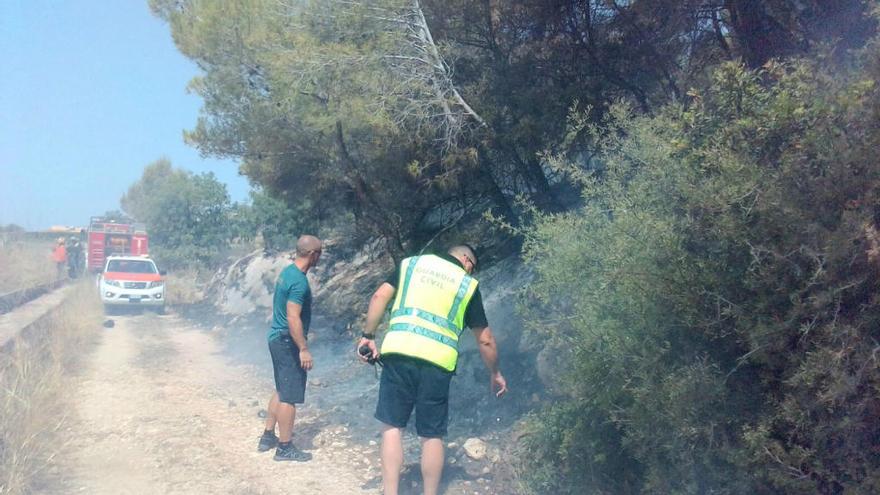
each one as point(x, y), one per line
point(475, 448)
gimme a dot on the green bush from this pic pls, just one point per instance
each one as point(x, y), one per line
point(278, 223)
point(718, 288)
point(187, 215)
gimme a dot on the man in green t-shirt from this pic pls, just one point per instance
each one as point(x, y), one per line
point(291, 359)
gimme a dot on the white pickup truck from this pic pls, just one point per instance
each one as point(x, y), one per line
point(132, 281)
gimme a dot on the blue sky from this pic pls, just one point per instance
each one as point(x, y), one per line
point(90, 93)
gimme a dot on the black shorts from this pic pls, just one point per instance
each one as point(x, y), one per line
point(290, 378)
point(407, 383)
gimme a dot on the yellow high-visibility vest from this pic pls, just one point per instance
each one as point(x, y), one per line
point(428, 313)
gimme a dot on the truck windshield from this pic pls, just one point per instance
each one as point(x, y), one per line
point(131, 266)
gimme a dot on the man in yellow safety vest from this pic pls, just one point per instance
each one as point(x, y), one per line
point(435, 298)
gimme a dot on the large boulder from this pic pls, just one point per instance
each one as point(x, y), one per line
point(341, 287)
point(246, 287)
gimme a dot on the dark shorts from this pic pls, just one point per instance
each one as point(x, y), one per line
point(409, 383)
point(290, 378)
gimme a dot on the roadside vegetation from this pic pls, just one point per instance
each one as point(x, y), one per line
point(186, 286)
point(34, 376)
point(717, 293)
point(25, 263)
point(194, 226)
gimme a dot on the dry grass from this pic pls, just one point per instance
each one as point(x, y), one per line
point(33, 376)
point(24, 264)
point(186, 286)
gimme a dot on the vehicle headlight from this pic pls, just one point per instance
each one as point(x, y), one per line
point(154, 285)
point(114, 283)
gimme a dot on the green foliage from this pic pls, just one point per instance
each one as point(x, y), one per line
point(302, 94)
point(116, 216)
point(392, 111)
point(718, 291)
point(279, 224)
point(187, 215)
point(565, 448)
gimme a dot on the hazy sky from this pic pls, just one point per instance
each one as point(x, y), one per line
point(90, 93)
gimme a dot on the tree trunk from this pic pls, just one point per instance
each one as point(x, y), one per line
point(369, 206)
point(759, 35)
point(501, 201)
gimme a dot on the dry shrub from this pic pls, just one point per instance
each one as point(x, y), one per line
point(184, 287)
point(24, 264)
point(33, 407)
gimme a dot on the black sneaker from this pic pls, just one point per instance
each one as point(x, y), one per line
point(268, 441)
point(291, 454)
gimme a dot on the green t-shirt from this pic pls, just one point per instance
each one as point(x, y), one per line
point(292, 285)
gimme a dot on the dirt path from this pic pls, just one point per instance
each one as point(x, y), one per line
point(161, 410)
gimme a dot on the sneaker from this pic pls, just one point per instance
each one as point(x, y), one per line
point(292, 454)
point(268, 441)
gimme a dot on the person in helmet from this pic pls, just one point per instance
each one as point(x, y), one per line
point(59, 256)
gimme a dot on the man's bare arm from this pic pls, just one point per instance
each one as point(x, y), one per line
point(489, 352)
point(295, 328)
point(295, 325)
point(378, 303)
point(383, 295)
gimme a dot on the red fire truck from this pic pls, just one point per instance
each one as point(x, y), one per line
point(110, 237)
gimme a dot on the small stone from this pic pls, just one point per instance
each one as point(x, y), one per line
point(452, 445)
point(373, 443)
point(486, 470)
point(475, 448)
point(255, 403)
point(262, 413)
